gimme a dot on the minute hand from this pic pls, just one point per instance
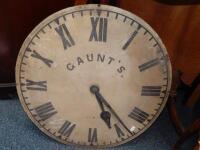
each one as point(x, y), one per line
point(112, 111)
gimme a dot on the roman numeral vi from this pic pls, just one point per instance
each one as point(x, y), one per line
point(92, 135)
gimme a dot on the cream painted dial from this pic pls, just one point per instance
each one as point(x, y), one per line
point(93, 75)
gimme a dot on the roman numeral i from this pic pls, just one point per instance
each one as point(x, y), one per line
point(101, 24)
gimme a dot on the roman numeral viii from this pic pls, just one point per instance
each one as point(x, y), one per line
point(45, 111)
point(100, 24)
point(151, 91)
point(92, 135)
point(66, 129)
point(36, 85)
point(138, 115)
point(65, 36)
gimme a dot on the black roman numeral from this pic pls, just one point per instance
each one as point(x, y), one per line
point(48, 62)
point(138, 115)
point(66, 129)
point(149, 64)
point(102, 25)
point(133, 35)
point(36, 85)
point(120, 133)
point(45, 111)
point(151, 91)
point(65, 36)
point(92, 135)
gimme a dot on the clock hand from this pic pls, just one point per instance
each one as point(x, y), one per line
point(105, 115)
point(102, 100)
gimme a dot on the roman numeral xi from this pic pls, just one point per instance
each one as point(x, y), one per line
point(99, 29)
point(65, 36)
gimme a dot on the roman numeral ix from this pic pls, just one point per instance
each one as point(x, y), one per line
point(65, 36)
point(66, 129)
point(36, 85)
point(151, 91)
point(138, 115)
point(45, 111)
point(101, 24)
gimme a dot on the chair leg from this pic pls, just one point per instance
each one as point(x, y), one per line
point(189, 131)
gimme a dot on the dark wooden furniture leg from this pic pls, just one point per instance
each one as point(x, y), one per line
point(184, 132)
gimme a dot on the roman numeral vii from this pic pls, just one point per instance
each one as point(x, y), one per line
point(66, 129)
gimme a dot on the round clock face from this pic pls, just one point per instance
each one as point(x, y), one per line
point(93, 76)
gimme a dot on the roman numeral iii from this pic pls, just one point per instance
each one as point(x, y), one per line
point(100, 24)
point(36, 85)
point(66, 129)
point(138, 115)
point(45, 111)
point(65, 36)
point(92, 135)
point(151, 91)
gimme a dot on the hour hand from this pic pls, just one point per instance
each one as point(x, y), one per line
point(105, 115)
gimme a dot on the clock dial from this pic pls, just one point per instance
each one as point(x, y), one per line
point(93, 76)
